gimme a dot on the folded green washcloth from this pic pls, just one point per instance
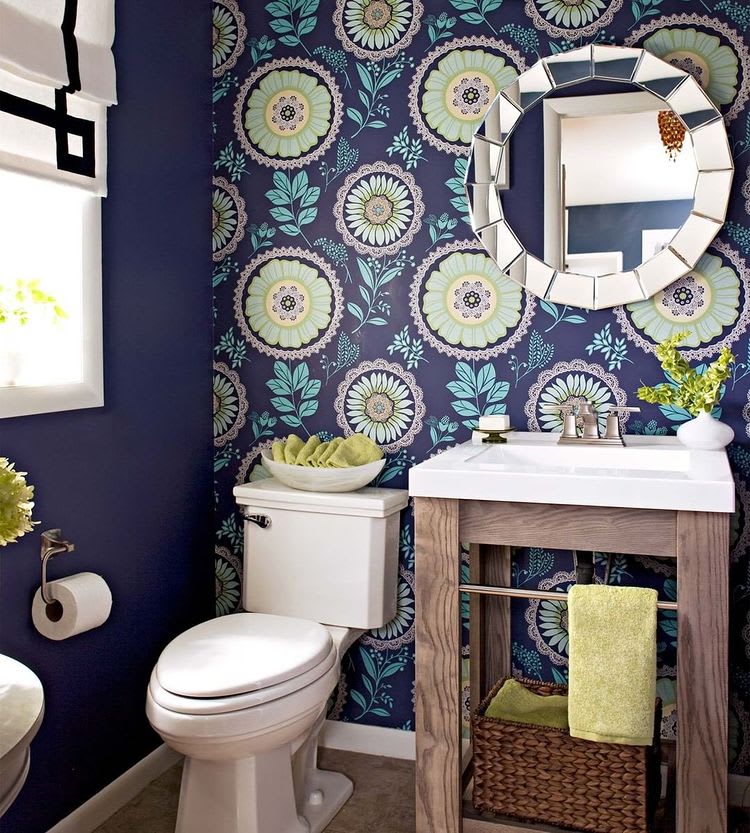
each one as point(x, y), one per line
point(357, 450)
point(612, 674)
point(319, 452)
point(518, 704)
point(294, 445)
point(277, 449)
point(307, 451)
point(332, 446)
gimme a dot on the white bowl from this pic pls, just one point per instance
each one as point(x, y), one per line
point(311, 479)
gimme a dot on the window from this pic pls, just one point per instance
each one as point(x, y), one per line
point(56, 81)
point(50, 351)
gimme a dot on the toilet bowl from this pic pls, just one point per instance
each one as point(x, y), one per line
point(243, 697)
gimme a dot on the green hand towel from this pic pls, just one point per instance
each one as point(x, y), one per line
point(293, 447)
point(516, 703)
point(277, 449)
point(317, 454)
point(303, 458)
point(612, 673)
point(332, 446)
point(356, 450)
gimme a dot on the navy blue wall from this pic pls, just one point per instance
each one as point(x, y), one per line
point(617, 227)
point(129, 483)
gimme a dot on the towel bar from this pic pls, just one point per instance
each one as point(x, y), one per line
point(517, 593)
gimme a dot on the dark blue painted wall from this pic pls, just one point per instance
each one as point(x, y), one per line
point(129, 483)
point(617, 227)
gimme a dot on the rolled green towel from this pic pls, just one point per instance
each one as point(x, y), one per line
point(612, 674)
point(332, 446)
point(277, 449)
point(357, 450)
point(518, 704)
point(303, 458)
point(294, 445)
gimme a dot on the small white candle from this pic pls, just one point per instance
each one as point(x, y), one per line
point(496, 422)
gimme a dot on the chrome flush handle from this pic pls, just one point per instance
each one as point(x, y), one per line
point(263, 521)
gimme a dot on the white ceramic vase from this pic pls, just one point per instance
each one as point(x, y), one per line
point(705, 433)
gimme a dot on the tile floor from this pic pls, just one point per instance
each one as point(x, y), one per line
point(383, 800)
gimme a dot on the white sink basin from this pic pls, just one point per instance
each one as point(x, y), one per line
point(648, 473)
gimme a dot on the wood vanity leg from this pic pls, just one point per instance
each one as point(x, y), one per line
point(702, 671)
point(489, 625)
point(438, 667)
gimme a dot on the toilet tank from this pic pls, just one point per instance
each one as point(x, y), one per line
point(329, 557)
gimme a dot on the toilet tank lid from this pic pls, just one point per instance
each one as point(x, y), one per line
point(368, 502)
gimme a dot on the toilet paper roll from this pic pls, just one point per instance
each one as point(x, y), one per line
point(86, 601)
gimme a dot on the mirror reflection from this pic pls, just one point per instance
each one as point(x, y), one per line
point(615, 180)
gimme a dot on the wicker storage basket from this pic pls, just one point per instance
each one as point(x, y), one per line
point(538, 774)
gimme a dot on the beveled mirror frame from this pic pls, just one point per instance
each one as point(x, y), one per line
point(628, 65)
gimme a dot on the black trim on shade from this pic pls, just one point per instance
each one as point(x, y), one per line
point(57, 117)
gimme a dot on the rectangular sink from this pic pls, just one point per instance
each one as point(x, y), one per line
point(648, 473)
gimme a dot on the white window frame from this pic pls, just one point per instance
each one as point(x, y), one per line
point(23, 400)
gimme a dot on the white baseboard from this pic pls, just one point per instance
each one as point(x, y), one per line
point(108, 801)
point(370, 740)
point(739, 790)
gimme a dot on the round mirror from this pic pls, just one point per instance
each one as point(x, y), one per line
point(624, 176)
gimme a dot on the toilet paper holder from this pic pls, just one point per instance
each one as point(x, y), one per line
point(52, 544)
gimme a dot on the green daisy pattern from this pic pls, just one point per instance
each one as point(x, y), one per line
point(374, 29)
point(288, 303)
point(379, 209)
point(458, 92)
point(713, 64)
point(286, 116)
point(228, 218)
point(227, 36)
point(227, 587)
point(230, 404)
point(702, 303)
point(470, 302)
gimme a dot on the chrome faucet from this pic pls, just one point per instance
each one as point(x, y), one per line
point(585, 414)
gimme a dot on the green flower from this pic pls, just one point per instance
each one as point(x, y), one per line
point(380, 406)
point(288, 303)
point(468, 301)
point(15, 503)
point(230, 404)
point(404, 617)
point(376, 24)
point(701, 304)
point(223, 219)
point(571, 14)
point(287, 113)
point(553, 624)
point(711, 63)
point(689, 389)
point(460, 89)
point(378, 210)
point(575, 388)
point(223, 35)
point(227, 587)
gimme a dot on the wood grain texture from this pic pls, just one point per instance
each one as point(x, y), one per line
point(702, 671)
point(438, 667)
point(489, 624)
point(631, 531)
point(474, 823)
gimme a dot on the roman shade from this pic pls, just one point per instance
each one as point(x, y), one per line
point(57, 78)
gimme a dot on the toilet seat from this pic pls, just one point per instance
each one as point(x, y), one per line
point(243, 660)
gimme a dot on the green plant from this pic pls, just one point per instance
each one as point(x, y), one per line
point(16, 301)
point(692, 390)
point(15, 503)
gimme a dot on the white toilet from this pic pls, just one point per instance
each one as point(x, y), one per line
point(243, 697)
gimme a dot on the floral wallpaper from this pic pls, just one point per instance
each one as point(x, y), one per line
point(350, 294)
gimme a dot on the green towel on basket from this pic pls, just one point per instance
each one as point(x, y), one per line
point(612, 675)
point(516, 703)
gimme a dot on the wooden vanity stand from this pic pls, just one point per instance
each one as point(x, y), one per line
point(700, 543)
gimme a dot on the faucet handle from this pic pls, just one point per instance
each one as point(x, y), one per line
point(614, 430)
point(567, 411)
